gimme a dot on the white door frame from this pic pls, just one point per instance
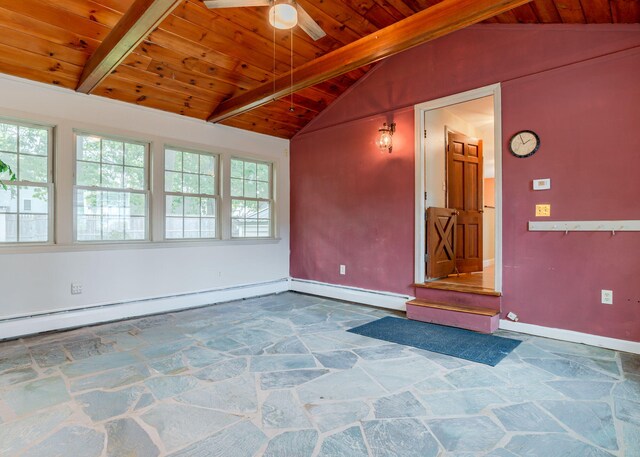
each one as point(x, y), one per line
point(420, 187)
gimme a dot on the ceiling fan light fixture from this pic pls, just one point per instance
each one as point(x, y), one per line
point(283, 16)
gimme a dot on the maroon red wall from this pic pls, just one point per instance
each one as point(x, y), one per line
point(578, 87)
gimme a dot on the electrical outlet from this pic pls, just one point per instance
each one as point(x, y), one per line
point(607, 297)
point(76, 288)
point(343, 269)
point(543, 210)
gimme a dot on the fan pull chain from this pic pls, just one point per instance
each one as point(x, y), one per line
point(273, 78)
point(291, 109)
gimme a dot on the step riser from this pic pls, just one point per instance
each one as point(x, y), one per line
point(478, 323)
point(458, 298)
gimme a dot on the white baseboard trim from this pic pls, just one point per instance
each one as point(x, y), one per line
point(570, 335)
point(29, 325)
point(389, 300)
point(488, 263)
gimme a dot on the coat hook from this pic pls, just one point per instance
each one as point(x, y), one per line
point(613, 232)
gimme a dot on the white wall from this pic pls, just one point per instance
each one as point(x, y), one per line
point(486, 132)
point(37, 279)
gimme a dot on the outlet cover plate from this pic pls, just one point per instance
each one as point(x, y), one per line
point(543, 210)
point(606, 297)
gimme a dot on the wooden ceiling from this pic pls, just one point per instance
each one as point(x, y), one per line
point(194, 58)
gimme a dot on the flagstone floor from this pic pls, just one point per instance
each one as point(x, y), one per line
point(279, 376)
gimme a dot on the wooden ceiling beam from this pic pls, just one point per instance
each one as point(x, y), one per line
point(139, 21)
point(433, 22)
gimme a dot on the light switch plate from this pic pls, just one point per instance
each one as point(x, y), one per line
point(542, 184)
point(543, 210)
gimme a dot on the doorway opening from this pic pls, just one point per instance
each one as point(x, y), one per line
point(458, 213)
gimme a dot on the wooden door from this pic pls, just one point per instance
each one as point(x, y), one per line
point(441, 242)
point(464, 193)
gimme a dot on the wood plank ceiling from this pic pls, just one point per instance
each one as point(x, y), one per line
point(197, 58)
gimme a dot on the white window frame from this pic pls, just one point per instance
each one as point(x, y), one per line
point(50, 185)
point(217, 196)
point(272, 200)
point(146, 191)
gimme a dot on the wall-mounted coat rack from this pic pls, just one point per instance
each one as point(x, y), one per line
point(584, 226)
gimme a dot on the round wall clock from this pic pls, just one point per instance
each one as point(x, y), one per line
point(524, 143)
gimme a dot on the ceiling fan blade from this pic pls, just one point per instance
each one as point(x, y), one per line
point(307, 24)
point(234, 3)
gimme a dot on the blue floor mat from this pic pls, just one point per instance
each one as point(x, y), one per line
point(457, 342)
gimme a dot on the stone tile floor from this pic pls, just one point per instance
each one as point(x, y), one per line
point(279, 376)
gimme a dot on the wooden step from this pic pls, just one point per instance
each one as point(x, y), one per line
point(456, 308)
point(475, 318)
point(458, 288)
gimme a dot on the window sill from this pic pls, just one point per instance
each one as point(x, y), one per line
point(130, 245)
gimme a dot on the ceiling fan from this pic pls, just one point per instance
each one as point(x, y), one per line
point(282, 15)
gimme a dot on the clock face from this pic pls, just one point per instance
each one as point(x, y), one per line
point(524, 143)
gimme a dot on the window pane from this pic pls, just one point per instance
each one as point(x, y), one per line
point(251, 227)
point(264, 210)
point(11, 160)
point(250, 189)
point(249, 170)
point(172, 181)
point(237, 188)
point(112, 176)
point(262, 190)
point(137, 204)
point(207, 165)
point(8, 138)
point(251, 209)
point(191, 206)
point(134, 155)
point(33, 141)
point(88, 174)
point(135, 228)
point(263, 172)
point(89, 202)
point(88, 228)
point(237, 227)
point(237, 168)
point(112, 152)
point(207, 185)
point(112, 228)
point(172, 160)
point(134, 178)
point(8, 228)
point(191, 227)
point(89, 148)
point(207, 228)
point(190, 184)
point(190, 162)
point(34, 200)
point(9, 199)
point(173, 206)
point(208, 207)
point(34, 228)
point(237, 208)
point(173, 227)
point(264, 228)
point(33, 168)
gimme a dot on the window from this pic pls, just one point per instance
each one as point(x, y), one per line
point(25, 205)
point(111, 189)
point(191, 193)
point(251, 199)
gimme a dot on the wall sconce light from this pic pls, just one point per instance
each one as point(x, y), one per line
point(385, 134)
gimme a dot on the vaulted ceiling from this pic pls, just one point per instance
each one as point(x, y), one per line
point(221, 64)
